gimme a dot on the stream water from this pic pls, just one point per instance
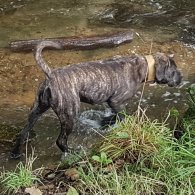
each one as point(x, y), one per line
point(165, 26)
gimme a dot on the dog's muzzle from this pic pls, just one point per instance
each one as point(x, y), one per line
point(176, 80)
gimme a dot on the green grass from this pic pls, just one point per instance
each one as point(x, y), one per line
point(135, 138)
point(125, 181)
point(152, 161)
point(23, 176)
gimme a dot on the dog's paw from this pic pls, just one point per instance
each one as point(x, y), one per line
point(65, 156)
point(72, 152)
point(111, 121)
point(108, 121)
point(15, 155)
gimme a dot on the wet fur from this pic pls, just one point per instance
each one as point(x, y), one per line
point(113, 81)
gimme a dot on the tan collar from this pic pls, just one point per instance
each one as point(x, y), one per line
point(151, 70)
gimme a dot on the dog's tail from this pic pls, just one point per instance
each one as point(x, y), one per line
point(38, 55)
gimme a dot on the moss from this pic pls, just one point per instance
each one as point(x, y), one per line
point(8, 132)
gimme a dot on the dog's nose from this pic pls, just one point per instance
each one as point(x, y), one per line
point(171, 84)
point(174, 83)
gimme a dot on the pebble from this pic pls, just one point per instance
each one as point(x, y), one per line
point(72, 174)
point(166, 94)
point(33, 191)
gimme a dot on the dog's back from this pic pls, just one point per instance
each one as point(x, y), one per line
point(93, 82)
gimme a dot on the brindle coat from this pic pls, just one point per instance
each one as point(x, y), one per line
point(113, 81)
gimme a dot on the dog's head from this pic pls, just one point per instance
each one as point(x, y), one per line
point(166, 70)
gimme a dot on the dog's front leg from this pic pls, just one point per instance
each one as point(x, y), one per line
point(117, 107)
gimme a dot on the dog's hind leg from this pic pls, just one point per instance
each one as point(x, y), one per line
point(38, 109)
point(67, 123)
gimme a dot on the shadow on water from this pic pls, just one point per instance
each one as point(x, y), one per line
point(159, 26)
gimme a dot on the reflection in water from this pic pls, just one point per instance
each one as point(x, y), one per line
point(93, 118)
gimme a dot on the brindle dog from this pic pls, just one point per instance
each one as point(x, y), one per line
point(113, 81)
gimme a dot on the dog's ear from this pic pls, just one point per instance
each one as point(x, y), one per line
point(161, 63)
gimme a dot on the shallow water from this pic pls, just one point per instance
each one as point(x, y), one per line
point(158, 26)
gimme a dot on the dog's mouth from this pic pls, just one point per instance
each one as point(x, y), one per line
point(169, 83)
point(172, 84)
point(172, 80)
point(163, 81)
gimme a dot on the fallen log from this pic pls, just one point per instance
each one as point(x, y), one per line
point(77, 43)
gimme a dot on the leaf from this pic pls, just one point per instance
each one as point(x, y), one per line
point(192, 90)
point(96, 158)
point(108, 161)
point(174, 112)
point(72, 191)
point(123, 135)
point(103, 157)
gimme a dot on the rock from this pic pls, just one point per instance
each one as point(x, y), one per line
point(47, 187)
point(33, 191)
point(72, 174)
point(51, 176)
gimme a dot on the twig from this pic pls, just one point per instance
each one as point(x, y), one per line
point(140, 37)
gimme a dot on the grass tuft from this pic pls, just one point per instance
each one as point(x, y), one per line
point(23, 176)
point(135, 138)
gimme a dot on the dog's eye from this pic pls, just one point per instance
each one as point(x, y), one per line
point(172, 74)
point(163, 61)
